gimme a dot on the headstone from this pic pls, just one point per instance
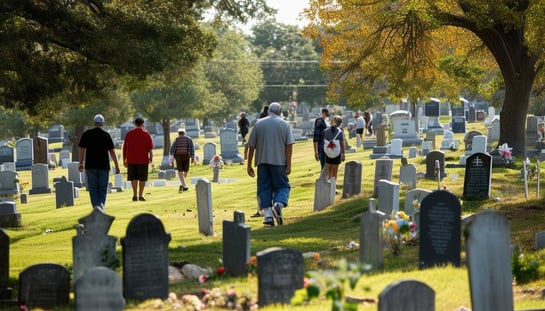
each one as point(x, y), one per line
point(99, 289)
point(352, 178)
point(388, 197)
point(493, 134)
point(145, 258)
point(236, 245)
point(371, 237)
point(478, 144)
point(204, 207)
point(8, 166)
point(410, 197)
point(395, 149)
point(92, 246)
point(448, 142)
point(383, 170)
point(158, 141)
point(280, 273)
point(440, 230)
point(468, 141)
point(431, 158)
point(25, 154)
point(409, 295)
point(40, 179)
point(478, 176)
point(209, 151)
point(458, 124)
point(7, 154)
point(56, 134)
point(229, 146)
point(64, 193)
point(45, 286)
point(540, 240)
point(406, 131)
point(65, 157)
point(9, 217)
point(426, 147)
point(407, 176)
point(8, 183)
point(489, 261)
point(324, 192)
point(74, 175)
point(192, 128)
point(41, 152)
point(430, 136)
point(471, 114)
point(413, 152)
point(5, 291)
point(532, 130)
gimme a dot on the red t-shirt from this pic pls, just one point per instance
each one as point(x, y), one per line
point(136, 146)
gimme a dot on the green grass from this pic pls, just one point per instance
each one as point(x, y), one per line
point(47, 232)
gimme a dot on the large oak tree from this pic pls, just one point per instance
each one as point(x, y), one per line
point(405, 42)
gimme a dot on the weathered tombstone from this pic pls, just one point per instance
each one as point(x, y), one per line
point(426, 147)
point(493, 134)
point(431, 159)
point(410, 197)
point(74, 175)
point(7, 154)
point(236, 245)
point(468, 141)
point(45, 285)
point(478, 176)
point(9, 217)
point(8, 183)
point(229, 146)
point(40, 179)
point(280, 273)
point(209, 151)
point(489, 261)
point(92, 246)
point(371, 237)
point(407, 176)
point(25, 154)
point(407, 295)
point(440, 230)
point(413, 152)
point(145, 258)
point(65, 157)
point(352, 178)
point(430, 136)
point(40, 148)
point(540, 240)
point(64, 193)
point(383, 170)
point(5, 291)
point(388, 196)
point(99, 289)
point(324, 192)
point(204, 207)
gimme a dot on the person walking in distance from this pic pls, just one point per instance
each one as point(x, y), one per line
point(320, 126)
point(96, 147)
point(183, 151)
point(137, 154)
point(271, 141)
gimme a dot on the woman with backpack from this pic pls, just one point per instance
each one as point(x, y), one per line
point(334, 147)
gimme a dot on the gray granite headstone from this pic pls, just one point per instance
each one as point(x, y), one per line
point(25, 154)
point(388, 196)
point(209, 151)
point(7, 154)
point(40, 179)
point(407, 295)
point(40, 148)
point(487, 238)
point(352, 178)
point(99, 289)
point(8, 183)
point(92, 246)
point(236, 245)
point(280, 273)
point(5, 291)
point(440, 230)
point(324, 192)
point(412, 195)
point(229, 146)
point(9, 217)
point(74, 175)
point(55, 133)
point(45, 285)
point(371, 238)
point(478, 176)
point(407, 176)
point(413, 152)
point(383, 170)
point(65, 157)
point(145, 258)
point(431, 158)
point(540, 240)
point(64, 193)
point(204, 207)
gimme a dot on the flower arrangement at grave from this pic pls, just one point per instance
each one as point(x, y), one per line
point(505, 153)
point(213, 274)
point(399, 229)
point(216, 162)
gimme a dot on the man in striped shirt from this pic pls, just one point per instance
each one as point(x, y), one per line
point(183, 151)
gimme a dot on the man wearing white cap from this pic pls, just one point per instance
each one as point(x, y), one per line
point(94, 147)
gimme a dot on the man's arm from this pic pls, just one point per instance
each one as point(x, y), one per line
point(81, 154)
point(114, 158)
point(289, 152)
point(249, 167)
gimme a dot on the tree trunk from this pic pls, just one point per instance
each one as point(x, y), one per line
point(78, 131)
point(165, 123)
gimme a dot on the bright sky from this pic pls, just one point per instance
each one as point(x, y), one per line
point(289, 10)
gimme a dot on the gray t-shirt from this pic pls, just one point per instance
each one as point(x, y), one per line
point(269, 137)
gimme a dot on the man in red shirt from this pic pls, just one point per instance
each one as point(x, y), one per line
point(137, 154)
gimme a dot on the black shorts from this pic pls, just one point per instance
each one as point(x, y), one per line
point(359, 131)
point(182, 162)
point(137, 172)
point(336, 160)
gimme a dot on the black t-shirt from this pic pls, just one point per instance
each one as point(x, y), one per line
point(97, 142)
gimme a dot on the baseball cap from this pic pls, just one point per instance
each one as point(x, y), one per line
point(99, 119)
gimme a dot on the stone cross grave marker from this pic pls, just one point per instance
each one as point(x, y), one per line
point(352, 178)
point(478, 176)
point(236, 245)
point(45, 285)
point(40, 179)
point(145, 258)
point(383, 170)
point(204, 207)
point(99, 289)
point(440, 230)
point(407, 295)
point(64, 193)
point(280, 273)
point(371, 237)
point(489, 261)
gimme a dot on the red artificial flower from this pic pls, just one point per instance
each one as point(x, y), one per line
point(220, 270)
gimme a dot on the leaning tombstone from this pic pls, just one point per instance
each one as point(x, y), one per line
point(489, 261)
point(478, 176)
point(371, 237)
point(352, 178)
point(5, 291)
point(204, 207)
point(280, 273)
point(440, 230)
point(99, 289)
point(407, 295)
point(145, 258)
point(45, 285)
point(236, 245)
point(92, 246)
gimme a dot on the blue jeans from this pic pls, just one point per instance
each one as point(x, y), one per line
point(273, 185)
point(97, 185)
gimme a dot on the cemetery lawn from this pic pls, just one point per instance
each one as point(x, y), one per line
point(46, 234)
